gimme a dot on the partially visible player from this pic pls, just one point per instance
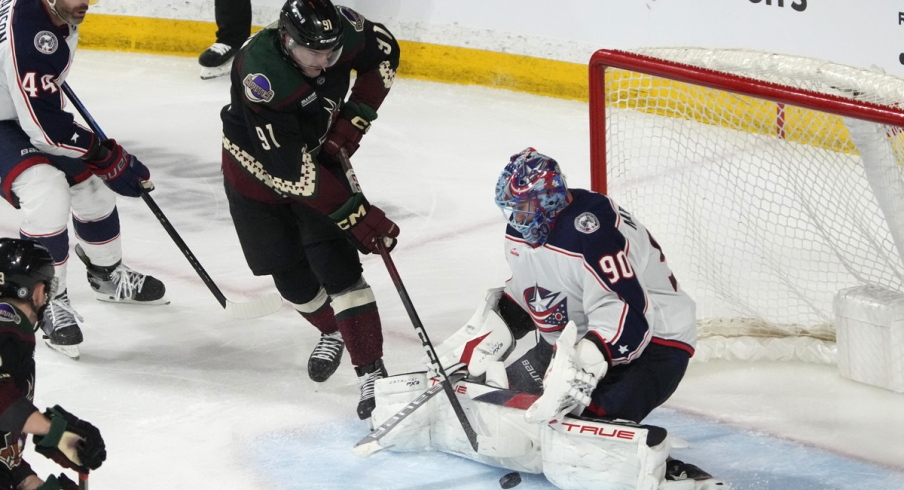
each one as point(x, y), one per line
point(294, 211)
point(233, 19)
point(26, 278)
point(51, 166)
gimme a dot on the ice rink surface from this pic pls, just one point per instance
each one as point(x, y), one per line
point(188, 398)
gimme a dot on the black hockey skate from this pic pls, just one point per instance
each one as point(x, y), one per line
point(216, 61)
point(326, 357)
point(62, 326)
point(119, 284)
point(678, 471)
point(367, 375)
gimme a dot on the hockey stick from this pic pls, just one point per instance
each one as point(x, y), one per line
point(83, 481)
point(412, 313)
point(370, 444)
point(256, 308)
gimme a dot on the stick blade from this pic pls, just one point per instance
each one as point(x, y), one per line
point(367, 447)
point(260, 307)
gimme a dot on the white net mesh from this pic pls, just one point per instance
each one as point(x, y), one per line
point(763, 209)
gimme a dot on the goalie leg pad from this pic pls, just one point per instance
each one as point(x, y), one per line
point(392, 394)
point(505, 439)
point(583, 454)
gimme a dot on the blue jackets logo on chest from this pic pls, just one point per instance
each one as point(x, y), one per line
point(548, 310)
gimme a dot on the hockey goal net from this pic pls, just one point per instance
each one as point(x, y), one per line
point(743, 166)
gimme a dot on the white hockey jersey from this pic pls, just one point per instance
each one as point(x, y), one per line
point(603, 270)
point(35, 56)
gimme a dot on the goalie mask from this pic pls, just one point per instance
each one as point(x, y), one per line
point(531, 191)
point(311, 34)
point(23, 265)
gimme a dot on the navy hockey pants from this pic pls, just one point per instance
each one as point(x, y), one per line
point(628, 391)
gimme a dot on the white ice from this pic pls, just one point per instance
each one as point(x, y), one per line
point(189, 398)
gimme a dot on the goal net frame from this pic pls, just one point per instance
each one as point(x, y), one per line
point(801, 347)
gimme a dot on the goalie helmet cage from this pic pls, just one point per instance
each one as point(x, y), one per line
point(743, 168)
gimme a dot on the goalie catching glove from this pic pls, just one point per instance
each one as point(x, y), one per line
point(71, 442)
point(572, 376)
point(348, 129)
point(365, 224)
point(122, 172)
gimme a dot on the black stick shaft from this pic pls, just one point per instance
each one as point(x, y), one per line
point(170, 230)
point(428, 346)
point(412, 314)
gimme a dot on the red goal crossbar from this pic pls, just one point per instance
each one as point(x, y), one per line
point(741, 85)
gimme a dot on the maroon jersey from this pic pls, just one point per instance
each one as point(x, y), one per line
point(17, 388)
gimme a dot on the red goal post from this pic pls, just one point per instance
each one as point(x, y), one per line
point(743, 166)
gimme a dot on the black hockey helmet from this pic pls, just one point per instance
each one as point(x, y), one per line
point(23, 264)
point(314, 24)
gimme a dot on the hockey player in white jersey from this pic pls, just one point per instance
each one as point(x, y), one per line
point(576, 256)
point(593, 304)
point(51, 166)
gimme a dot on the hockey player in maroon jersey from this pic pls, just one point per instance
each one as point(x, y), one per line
point(26, 278)
point(52, 168)
point(294, 211)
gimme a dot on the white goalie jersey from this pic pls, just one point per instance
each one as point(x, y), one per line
point(603, 270)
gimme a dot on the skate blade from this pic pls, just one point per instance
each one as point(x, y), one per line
point(112, 299)
point(70, 351)
point(216, 71)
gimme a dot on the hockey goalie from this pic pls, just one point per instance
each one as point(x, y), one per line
point(556, 371)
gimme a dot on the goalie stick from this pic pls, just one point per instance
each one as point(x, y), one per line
point(256, 308)
point(412, 314)
point(370, 444)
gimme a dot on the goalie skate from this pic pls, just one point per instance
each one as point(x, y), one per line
point(680, 475)
point(62, 327)
point(120, 284)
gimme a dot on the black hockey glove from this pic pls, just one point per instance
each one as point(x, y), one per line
point(58, 483)
point(348, 129)
point(71, 442)
point(365, 224)
point(122, 172)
